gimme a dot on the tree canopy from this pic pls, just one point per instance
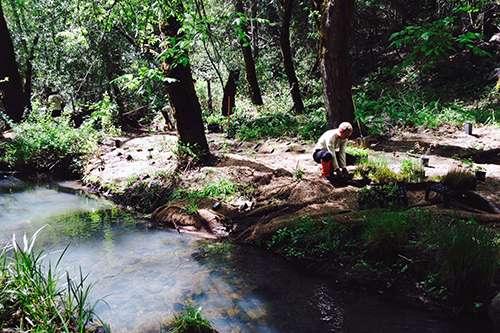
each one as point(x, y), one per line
point(302, 55)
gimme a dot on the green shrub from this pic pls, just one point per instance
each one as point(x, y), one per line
point(51, 145)
point(309, 238)
point(314, 124)
point(220, 189)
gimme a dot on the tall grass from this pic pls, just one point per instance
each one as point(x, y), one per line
point(412, 170)
point(389, 232)
point(459, 179)
point(31, 297)
point(377, 169)
point(469, 256)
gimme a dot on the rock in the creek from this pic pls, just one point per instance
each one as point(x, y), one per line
point(153, 288)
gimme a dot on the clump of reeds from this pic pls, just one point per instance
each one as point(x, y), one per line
point(190, 320)
point(468, 254)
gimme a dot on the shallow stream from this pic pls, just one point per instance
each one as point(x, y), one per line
point(146, 275)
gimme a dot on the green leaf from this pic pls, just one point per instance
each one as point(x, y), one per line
point(426, 35)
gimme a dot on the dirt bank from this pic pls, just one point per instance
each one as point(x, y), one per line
point(273, 167)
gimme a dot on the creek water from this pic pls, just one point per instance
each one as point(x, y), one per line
point(145, 275)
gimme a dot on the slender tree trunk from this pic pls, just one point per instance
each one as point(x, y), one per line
point(251, 75)
point(335, 28)
point(209, 94)
point(286, 52)
point(28, 74)
point(255, 30)
point(13, 97)
point(217, 58)
point(182, 95)
point(228, 101)
point(111, 73)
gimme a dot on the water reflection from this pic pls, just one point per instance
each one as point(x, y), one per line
point(145, 275)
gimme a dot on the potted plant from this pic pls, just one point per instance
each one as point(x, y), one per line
point(480, 173)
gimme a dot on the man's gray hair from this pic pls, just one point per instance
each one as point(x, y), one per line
point(345, 126)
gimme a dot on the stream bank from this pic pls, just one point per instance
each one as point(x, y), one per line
point(282, 186)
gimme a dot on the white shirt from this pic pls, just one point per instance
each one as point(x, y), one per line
point(330, 140)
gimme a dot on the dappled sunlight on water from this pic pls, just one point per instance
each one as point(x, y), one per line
point(144, 275)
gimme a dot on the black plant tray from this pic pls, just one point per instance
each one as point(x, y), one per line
point(380, 199)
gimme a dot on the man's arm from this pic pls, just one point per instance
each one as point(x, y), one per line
point(331, 144)
point(342, 162)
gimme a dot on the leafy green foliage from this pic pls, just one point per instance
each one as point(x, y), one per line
point(412, 170)
point(398, 109)
point(266, 124)
point(314, 125)
point(220, 189)
point(434, 41)
point(103, 117)
point(51, 145)
point(321, 239)
point(360, 152)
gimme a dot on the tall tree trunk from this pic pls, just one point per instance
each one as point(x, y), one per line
point(251, 75)
point(29, 54)
point(334, 32)
point(13, 98)
point(286, 52)
point(181, 93)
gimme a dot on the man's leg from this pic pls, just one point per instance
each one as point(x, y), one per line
point(325, 158)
